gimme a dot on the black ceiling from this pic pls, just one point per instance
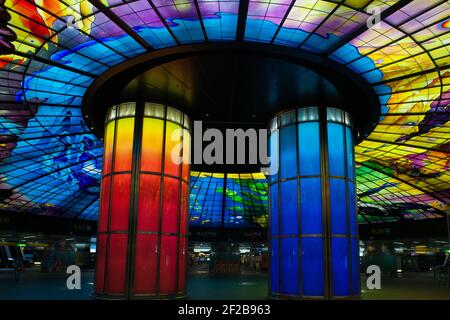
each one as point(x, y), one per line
point(232, 87)
point(233, 83)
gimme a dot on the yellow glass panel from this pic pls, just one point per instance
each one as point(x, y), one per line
point(152, 142)
point(108, 147)
point(124, 144)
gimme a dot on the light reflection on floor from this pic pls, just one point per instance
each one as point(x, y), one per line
point(36, 285)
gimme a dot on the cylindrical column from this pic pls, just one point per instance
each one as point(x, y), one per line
point(142, 227)
point(313, 223)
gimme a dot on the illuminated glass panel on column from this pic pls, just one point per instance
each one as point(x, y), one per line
point(143, 216)
point(313, 225)
point(342, 203)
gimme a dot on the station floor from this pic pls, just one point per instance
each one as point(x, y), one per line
point(35, 285)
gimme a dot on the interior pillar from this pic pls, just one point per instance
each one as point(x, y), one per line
point(314, 247)
point(143, 219)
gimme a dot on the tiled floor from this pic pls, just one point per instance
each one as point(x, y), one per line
point(37, 285)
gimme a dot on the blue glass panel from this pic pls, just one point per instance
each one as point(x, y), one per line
point(259, 30)
point(274, 263)
point(187, 31)
point(310, 205)
point(274, 210)
point(289, 207)
point(290, 37)
point(223, 28)
point(156, 37)
point(350, 154)
point(362, 65)
point(355, 267)
point(352, 205)
point(382, 89)
point(312, 267)
point(340, 268)
point(372, 76)
point(309, 148)
point(289, 266)
point(336, 149)
point(252, 29)
point(345, 54)
point(288, 156)
point(338, 204)
point(274, 155)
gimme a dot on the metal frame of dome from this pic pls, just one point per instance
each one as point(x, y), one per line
point(51, 160)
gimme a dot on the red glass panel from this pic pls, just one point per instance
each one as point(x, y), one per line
point(145, 264)
point(168, 267)
point(124, 145)
point(185, 175)
point(170, 205)
point(182, 264)
point(186, 155)
point(173, 144)
point(120, 202)
point(184, 208)
point(152, 142)
point(100, 263)
point(108, 147)
point(104, 205)
point(115, 282)
point(148, 206)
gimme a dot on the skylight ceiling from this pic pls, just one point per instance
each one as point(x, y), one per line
point(51, 163)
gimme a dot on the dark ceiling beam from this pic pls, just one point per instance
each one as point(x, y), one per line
point(242, 19)
point(84, 208)
point(406, 35)
point(406, 145)
point(55, 136)
point(406, 58)
point(412, 113)
point(114, 18)
point(155, 9)
point(62, 29)
point(321, 23)
point(17, 104)
point(7, 35)
point(200, 18)
point(51, 227)
point(396, 178)
point(49, 173)
point(71, 50)
point(406, 76)
point(55, 64)
point(50, 40)
point(282, 21)
point(386, 13)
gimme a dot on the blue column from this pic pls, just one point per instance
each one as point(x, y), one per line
point(313, 224)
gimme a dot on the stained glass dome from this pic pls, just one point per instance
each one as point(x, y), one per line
point(51, 161)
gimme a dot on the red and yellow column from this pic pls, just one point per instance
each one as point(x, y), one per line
point(142, 226)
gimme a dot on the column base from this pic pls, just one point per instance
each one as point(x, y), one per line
point(177, 296)
point(277, 296)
